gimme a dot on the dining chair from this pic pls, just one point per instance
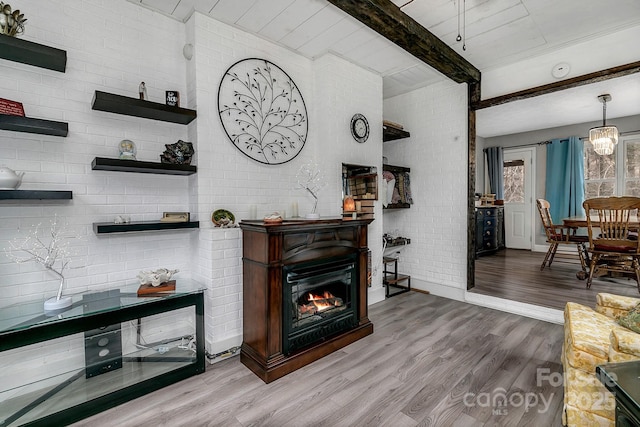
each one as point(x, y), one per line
point(561, 235)
point(612, 243)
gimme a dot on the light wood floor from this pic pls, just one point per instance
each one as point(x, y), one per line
point(430, 362)
point(515, 274)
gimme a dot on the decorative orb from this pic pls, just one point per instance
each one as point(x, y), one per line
point(127, 150)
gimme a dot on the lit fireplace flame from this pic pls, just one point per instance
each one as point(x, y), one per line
point(324, 301)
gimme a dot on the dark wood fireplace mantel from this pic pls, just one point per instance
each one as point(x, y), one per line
point(267, 250)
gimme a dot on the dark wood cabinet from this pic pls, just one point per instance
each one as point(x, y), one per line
point(267, 250)
point(489, 229)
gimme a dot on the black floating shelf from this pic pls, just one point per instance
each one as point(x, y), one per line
point(390, 133)
point(397, 169)
point(111, 103)
point(397, 206)
point(26, 52)
point(35, 194)
point(105, 164)
point(110, 227)
point(29, 125)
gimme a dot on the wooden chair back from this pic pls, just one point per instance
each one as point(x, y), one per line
point(611, 217)
point(550, 229)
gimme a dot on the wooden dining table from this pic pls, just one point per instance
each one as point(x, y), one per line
point(581, 221)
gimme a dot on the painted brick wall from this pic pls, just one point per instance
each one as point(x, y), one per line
point(112, 47)
point(333, 90)
point(436, 152)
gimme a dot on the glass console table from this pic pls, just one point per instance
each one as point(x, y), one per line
point(108, 348)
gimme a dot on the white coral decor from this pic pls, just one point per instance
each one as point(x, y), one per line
point(156, 277)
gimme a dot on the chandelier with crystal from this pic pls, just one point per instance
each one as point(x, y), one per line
point(604, 138)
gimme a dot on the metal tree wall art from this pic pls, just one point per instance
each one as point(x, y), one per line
point(262, 111)
point(50, 248)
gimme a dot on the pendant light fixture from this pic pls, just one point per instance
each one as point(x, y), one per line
point(462, 5)
point(604, 138)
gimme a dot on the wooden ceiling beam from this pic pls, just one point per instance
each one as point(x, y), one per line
point(388, 20)
point(585, 79)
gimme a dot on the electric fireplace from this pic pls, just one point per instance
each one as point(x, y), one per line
point(304, 292)
point(319, 300)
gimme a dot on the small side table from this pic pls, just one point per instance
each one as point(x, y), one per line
point(393, 278)
point(623, 380)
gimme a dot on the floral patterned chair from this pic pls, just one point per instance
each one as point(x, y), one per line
point(593, 337)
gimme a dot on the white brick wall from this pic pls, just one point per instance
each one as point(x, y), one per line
point(109, 48)
point(436, 152)
point(112, 47)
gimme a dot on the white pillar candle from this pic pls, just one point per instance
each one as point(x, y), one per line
point(294, 209)
point(253, 212)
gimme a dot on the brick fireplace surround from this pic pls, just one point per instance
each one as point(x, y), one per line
point(269, 249)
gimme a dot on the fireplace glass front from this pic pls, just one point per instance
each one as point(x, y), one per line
point(320, 300)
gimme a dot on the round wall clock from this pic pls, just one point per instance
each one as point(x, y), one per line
point(359, 128)
point(262, 111)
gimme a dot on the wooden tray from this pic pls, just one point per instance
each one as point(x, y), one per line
point(163, 288)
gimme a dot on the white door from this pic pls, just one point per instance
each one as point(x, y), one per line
point(519, 175)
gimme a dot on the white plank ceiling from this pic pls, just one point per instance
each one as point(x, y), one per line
point(497, 33)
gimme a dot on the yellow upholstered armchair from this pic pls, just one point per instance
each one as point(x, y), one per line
point(591, 338)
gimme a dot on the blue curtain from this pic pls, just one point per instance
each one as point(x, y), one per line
point(565, 178)
point(495, 168)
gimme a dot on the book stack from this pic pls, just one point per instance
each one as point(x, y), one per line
point(364, 210)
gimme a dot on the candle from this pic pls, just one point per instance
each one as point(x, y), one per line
point(358, 206)
point(253, 212)
point(294, 209)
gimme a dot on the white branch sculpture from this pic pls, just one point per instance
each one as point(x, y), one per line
point(311, 178)
point(54, 256)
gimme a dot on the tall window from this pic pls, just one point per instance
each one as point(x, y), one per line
point(632, 167)
point(615, 175)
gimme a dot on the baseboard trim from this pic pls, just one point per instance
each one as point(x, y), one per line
point(545, 314)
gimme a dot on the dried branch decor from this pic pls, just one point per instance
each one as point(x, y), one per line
point(50, 248)
point(311, 179)
point(262, 111)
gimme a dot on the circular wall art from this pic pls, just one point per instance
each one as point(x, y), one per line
point(262, 111)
